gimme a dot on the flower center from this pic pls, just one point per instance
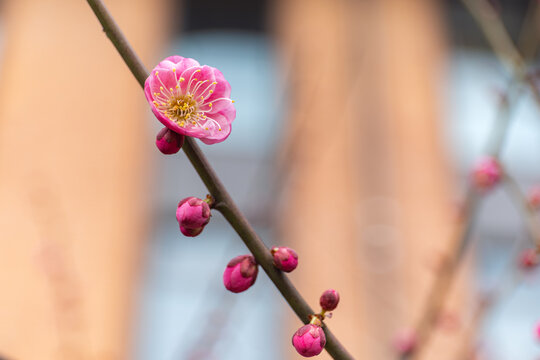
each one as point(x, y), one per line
point(181, 109)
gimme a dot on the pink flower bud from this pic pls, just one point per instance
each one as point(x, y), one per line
point(329, 300)
point(240, 273)
point(537, 331)
point(285, 259)
point(169, 142)
point(191, 232)
point(534, 198)
point(405, 342)
point(192, 214)
point(309, 340)
point(487, 173)
point(528, 259)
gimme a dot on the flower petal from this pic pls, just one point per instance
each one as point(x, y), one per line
point(178, 62)
point(223, 88)
point(164, 81)
point(213, 124)
point(194, 76)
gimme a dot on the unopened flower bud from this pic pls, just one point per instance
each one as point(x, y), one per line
point(528, 259)
point(309, 340)
point(534, 198)
point(191, 232)
point(192, 214)
point(285, 259)
point(169, 142)
point(329, 300)
point(240, 273)
point(405, 342)
point(487, 173)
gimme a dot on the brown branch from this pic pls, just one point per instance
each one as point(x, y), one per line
point(224, 202)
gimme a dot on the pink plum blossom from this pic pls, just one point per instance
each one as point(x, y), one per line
point(487, 173)
point(329, 300)
point(309, 340)
point(192, 214)
point(191, 99)
point(537, 331)
point(169, 142)
point(285, 259)
point(240, 273)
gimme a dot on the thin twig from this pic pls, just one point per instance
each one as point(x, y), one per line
point(520, 200)
point(495, 32)
point(508, 280)
point(467, 350)
point(511, 276)
point(445, 274)
point(224, 202)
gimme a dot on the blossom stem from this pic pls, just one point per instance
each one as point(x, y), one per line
point(223, 201)
point(210, 201)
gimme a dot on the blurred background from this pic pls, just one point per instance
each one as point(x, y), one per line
point(357, 125)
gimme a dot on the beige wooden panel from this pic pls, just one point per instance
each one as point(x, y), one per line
point(73, 178)
point(368, 202)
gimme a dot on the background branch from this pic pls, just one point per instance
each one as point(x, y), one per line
point(505, 49)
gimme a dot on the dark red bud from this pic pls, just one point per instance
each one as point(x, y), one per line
point(329, 300)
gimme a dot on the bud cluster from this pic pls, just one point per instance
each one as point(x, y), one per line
point(310, 340)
